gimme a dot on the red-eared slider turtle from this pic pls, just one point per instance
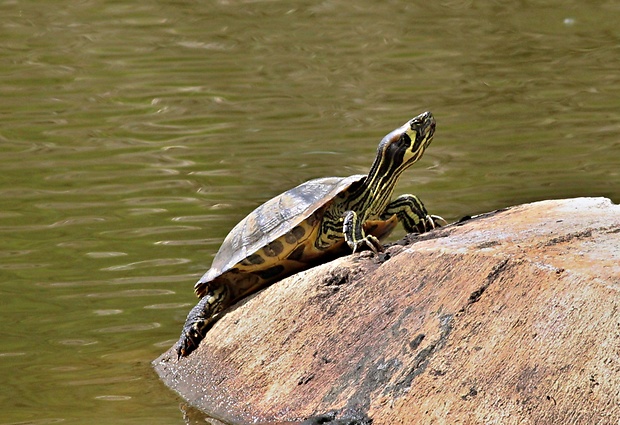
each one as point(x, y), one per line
point(315, 221)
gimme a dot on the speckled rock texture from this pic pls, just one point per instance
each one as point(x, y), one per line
point(511, 317)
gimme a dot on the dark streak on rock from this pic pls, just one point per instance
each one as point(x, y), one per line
point(422, 359)
point(467, 218)
point(338, 276)
point(305, 379)
point(383, 257)
point(472, 393)
point(342, 417)
point(415, 342)
point(463, 219)
point(491, 277)
point(569, 237)
point(488, 244)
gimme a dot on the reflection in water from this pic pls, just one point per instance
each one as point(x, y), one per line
point(134, 136)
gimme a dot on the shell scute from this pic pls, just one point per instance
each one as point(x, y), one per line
point(273, 249)
point(253, 260)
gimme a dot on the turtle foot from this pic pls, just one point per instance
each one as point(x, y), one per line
point(196, 326)
point(190, 339)
point(201, 318)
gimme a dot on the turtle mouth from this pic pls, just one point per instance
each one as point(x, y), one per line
point(426, 124)
point(431, 129)
point(428, 128)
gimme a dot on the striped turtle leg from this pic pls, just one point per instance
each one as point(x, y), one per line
point(412, 213)
point(200, 318)
point(354, 234)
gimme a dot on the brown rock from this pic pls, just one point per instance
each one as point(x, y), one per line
point(510, 318)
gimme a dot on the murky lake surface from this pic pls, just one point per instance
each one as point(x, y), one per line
point(134, 135)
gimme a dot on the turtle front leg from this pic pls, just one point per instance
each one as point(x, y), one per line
point(201, 318)
point(355, 237)
point(412, 213)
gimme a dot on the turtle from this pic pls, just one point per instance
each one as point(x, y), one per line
point(314, 222)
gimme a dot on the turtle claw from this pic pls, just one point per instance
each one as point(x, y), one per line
point(374, 244)
point(436, 221)
point(428, 223)
point(189, 341)
point(370, 241)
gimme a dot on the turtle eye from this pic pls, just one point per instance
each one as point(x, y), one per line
point(415, 124)
point(405, 140)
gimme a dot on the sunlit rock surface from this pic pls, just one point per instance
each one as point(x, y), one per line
point(511, 317)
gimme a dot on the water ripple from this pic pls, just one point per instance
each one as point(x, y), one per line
point(145, 211)
point(191, 242)
point(124, 294)
point(145, 231)
point(157, 200)
point(102, 381)
point(15, 354)
point(70, 205)
point(109, 312)
point(165, 344)
point(105, 254)
point(61, 223)
point(77, 342)
point(122, 281)
point(104, 176)
point(166, 306)
point(113, 397)
point(148, 263)
point(23, 266)
point(197, 218)
point(15, 253)
point(137, 327)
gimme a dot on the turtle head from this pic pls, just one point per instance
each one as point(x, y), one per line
point(405, 145)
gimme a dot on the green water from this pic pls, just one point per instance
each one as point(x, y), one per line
point(134, 135)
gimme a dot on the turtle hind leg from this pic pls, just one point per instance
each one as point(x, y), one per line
point(201, 318)
point(412, 213)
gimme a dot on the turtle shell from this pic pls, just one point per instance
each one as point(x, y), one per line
point(273, 219)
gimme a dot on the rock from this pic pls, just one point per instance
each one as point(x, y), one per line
point(511, 317)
